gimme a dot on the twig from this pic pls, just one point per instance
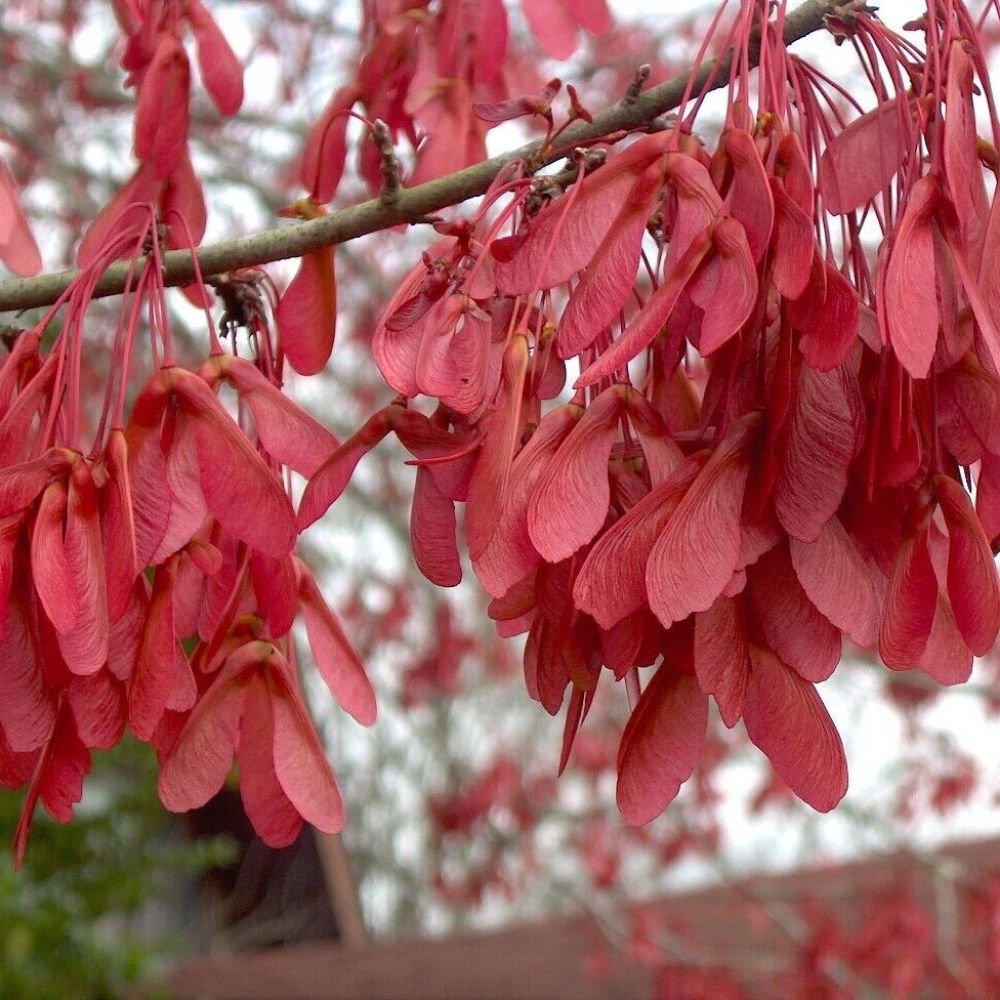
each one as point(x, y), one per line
point(413, 203)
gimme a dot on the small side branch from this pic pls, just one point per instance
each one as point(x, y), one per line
point(392, 182)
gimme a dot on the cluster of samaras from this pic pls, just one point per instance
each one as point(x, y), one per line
point(771, 443)
point(150, 581)
point(772, 434)
point(148, 577)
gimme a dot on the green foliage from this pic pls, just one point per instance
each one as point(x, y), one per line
point(95, 904)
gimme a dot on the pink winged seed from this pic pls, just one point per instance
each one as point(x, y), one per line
point(749, 199)
point(722, 656)
point(118, 218)
point(289, 434)
point(275, 820)
point(827, 315)
point(910, 601)
point(608, 279)
point(221, 70)
point(336, 660)
point(911, 297)
point(490, 482)
point(161, 115)
point(510, 555)
point(57, 780)
point(51, 569)
point(196, 767)
point(862, 159)
point(695, 556)
point(27, 706)
point(818, 451)
point(661, 744)
point(946, 657)
point(973, 588)
point(306, 314)
point(85, 646)
point(570, 502)
point(16, 767)
point(725, 287)
point(792, 241)
point(564, 236)
point(241, 492)
point(100, 708)
point(650, 319)
point(183, 197)
point(325, 151)
point(155, 670)
point(118, 526)
point(18, 249)
point(332, 477)
point(792, 625)
point(836, 578)
point(453, 359)
point(611, 583)
point(962, 168)
point(432, 532)
point(786, 719)
point(300, 762)
point(275, 586)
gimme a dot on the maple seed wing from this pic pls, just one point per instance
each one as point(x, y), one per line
point(661, 744)
point(306, 314)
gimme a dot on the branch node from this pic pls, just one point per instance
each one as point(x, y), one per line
point(8, 334)
point(842, 19)
point(392, 184)
point(638, 82)
point(243, 303)
point(545, 187)
point(663, 123)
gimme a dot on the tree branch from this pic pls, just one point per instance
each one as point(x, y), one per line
point(412, 203)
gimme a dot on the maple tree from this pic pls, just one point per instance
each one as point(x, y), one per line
point(697, 399)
